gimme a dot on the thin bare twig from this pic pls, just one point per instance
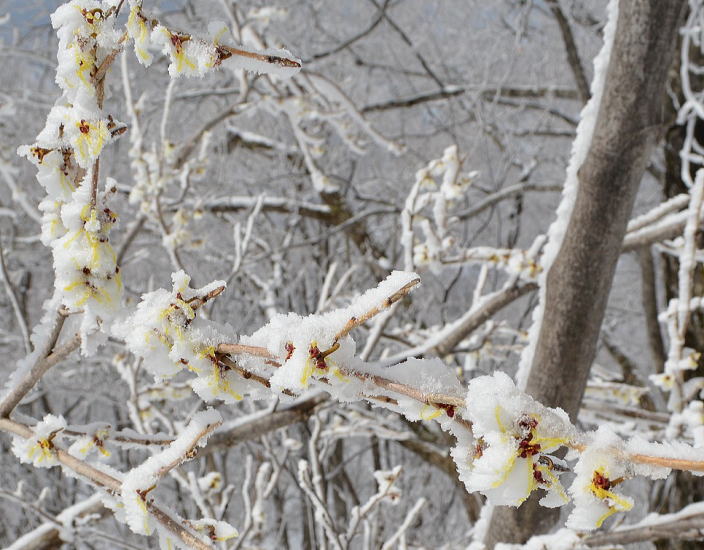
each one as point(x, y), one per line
point(264, 58)
point(14, 300)
point(571, 50)
point(505, 193)
point(200, 301)
point(347, 43)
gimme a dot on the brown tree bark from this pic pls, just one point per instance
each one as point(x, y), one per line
point(628, 126)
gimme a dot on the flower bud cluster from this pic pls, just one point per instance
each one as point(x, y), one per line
point(76, 221)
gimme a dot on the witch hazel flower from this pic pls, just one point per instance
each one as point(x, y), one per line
point(319, 346)
point(219, 382)
point(514, 437)
point(214, 530)
point(87, 137)
point(167, 334)
point(190, 57)
point(600, 469)
point(52, 226)
point(87, 275)
point(162, 323)
point(138, 31)
point(39, 450)
point(91, 443)
point(57, 170)
point(86, 34)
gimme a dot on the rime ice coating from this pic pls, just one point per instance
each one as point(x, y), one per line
point(193, 57)
point(76, 219)
point(301, 341)
point(166, 332)
point(138, 483)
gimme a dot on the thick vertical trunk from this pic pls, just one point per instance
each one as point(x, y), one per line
point(628, 125)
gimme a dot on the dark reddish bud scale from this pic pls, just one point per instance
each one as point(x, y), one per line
point(601, 481)
point(538, 476)
point(449, 409)
point(177, 40)
point(527, 423)
point(40, 153)
point(527, 448)
point(478, 450)
point(289, 347)
point(317, 356)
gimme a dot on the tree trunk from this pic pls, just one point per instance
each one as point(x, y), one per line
point(629, 124)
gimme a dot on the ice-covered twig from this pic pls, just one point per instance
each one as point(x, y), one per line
point(269, 204)
point(108, 482)
point(453, 333)
point(19, 196)
point(667, 227)
point(278, 59)
point(405, 525)
point(386, 491)
point(657, 213)
point(320, 508)
point(260, 423)
point(35, 373)
point(687, 264)
point(199, 301)
point(388, 302)
point(237, 349)
point(687, 524)
point(192, 56)
point(668, 462)
point(316, 449)
point(49, 532)
point(380, 381)
point(505, 193)
point(126, 438)
point(247, 501)
point(31, 506)
point(190, 451)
